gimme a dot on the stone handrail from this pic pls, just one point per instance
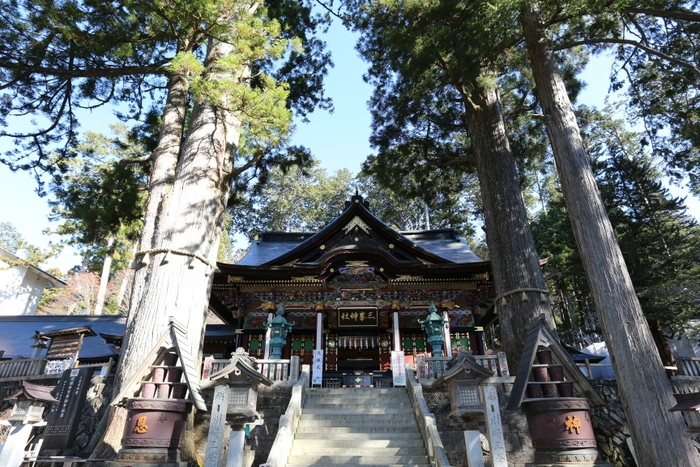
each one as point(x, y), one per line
point(435, 366)
point(426, 421)
point(282, 446)
point(276, 370)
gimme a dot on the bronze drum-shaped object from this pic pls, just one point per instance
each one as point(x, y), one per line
point(560, 424)
point(154, 423)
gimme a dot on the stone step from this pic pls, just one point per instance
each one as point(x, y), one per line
point(375, 402)
point(363, 452)
point(402, 441)
point(407, 417)
point(373, 391)
point(357, 429)
point(354, 423)
point(358, 436)
point(358, 460)
point(363, 465)
point(358, 410)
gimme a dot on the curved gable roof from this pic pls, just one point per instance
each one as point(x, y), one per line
point(441, 246)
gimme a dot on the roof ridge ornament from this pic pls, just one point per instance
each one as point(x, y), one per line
point(357, 199)
point(356, 222)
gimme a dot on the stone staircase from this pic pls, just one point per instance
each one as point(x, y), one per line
point(358, 426)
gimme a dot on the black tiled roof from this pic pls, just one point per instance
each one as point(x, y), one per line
point(16, 332)
point(271, 245)
point(443, 242)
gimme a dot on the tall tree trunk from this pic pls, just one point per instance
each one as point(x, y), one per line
point(123, 287)
point(659, 435)
point(511, 245)
point(104, 277)
point(188, 222)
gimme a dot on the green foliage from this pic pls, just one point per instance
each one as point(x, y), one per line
point(655, 44)
point(297, 201)
point(405, 210)
point(101, 197)
point(13, 241)
point(659, 240)
point(56, 58)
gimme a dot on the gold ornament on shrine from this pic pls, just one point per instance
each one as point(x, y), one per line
point(572, 424)
point(141, 426)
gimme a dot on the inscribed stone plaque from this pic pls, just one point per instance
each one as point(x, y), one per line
point(217, 427)
point(493, 425)
point(64, 416)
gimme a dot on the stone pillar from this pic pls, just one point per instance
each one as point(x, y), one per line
point(493, 425)
point(217, 426)
point(475, 457)
point(448, 338)
point(397, 334)
point(12, 454)
point(268, 336)
point(236, 445)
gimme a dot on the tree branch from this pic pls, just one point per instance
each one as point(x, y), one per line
point(679, 13)
point(155, 69)
point(639, 45)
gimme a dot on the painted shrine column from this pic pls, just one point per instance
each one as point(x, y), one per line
point(319, 330)
point(268, 335)
point(397, 334)
point(446, 331)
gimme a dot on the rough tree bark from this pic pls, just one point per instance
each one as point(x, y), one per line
point(184, 213)
point(659, 435)
point(511, 245)
point(104, 277)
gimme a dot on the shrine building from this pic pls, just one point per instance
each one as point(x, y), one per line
point(357, 290)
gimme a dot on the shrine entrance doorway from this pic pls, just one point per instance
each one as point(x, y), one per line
point(358, 353)
point(358, 348)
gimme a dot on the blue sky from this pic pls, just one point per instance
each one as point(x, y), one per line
point(338, 140)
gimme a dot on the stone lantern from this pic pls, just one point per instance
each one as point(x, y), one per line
point(462, 377)
point(235, 404)
point(30, 402)
point(279, 328)
point(433, 326)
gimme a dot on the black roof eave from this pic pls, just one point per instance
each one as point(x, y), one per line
point(356, 208)
point(306, 269)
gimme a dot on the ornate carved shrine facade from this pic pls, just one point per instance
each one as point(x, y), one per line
point(356, 290)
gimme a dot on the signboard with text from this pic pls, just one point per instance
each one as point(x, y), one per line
point(317, 373)
point(398, 368)
point(64, 416)
point(357, 317)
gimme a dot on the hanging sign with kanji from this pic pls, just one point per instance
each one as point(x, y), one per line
point(358, 317)
point(317, 373)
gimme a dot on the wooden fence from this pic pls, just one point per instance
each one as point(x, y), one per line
point(33, 368)
point(688, 366)
point(21, 369)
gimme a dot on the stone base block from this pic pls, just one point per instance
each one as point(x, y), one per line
point(576, 464)
point(144, 464)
